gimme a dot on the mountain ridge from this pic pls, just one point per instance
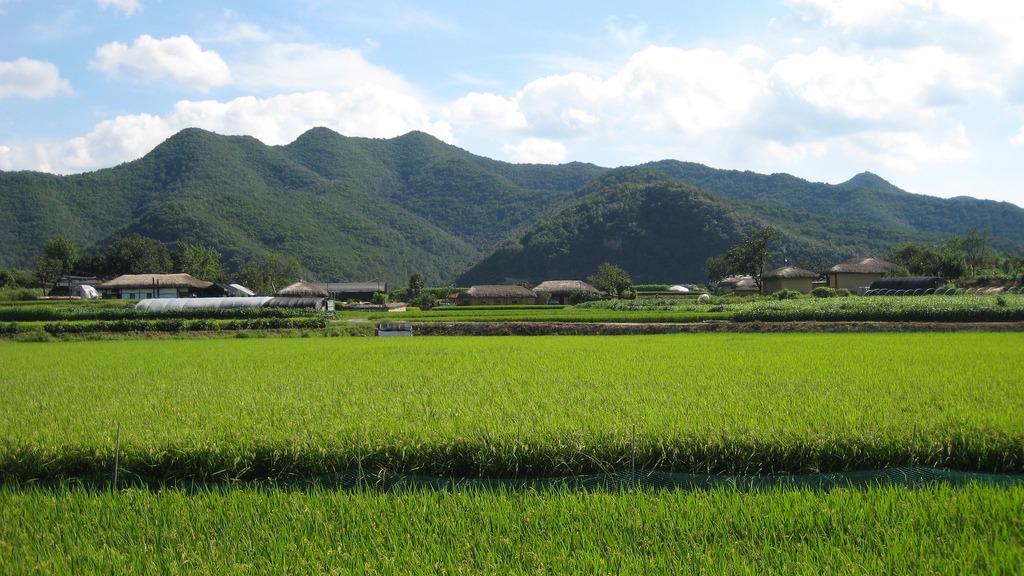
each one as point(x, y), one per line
point(352, 208)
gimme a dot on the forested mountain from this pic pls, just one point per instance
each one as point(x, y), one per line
point(347, 208)
point(865, 197)
point(660, 229)
point(355, 209)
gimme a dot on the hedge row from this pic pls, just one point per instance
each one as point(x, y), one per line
point(181, 325)
point(67, 313)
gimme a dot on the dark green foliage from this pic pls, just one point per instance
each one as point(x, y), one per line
point(136, 254)
point(58, 258)
point(199, 261)
point(748, 257)
point(581, 296)
point(7, 278)
point(866, 198)
point(612, 279)
point(823, 292)
point(269, 273)
point(787, 295)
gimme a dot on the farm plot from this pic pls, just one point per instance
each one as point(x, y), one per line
point(935, 530)
point(511, 407)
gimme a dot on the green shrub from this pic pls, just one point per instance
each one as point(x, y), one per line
point(823, 292)
point(787, 294)
point(581, 296)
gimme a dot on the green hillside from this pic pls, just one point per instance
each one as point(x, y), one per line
point(866, 197)
point(356, 209)
point(662, 230)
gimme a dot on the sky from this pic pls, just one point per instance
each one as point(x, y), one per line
point(928, 94)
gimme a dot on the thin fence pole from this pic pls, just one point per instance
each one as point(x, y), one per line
point(117, 454)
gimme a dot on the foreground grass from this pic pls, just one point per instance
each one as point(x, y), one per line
point(933, 530)
point(512, 407)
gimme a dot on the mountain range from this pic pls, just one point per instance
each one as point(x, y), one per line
point(356, 209)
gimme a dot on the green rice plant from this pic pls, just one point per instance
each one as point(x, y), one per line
point(927, 530)
point(512, 407)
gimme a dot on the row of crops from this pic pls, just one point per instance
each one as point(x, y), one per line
point(216, 437)
point(513, 407)
point(933, 530)
point(79, 317)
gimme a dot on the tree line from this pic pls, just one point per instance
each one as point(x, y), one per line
point(137, 254)
point(970, 257)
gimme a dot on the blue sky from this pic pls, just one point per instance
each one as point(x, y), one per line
point(928, 94)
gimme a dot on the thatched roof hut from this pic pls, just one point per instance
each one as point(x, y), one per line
point(132, 286)
point(562, 290)
point(787, 278)
point(867, 265)
point(303, 288)
point(856, 274)
point(788, 273)
point(497, 294)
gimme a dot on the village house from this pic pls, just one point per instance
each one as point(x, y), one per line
point(562, 290)
point(787, 278)
point(141, 286)
point(496, 294)
point(353, 291)
point(857, 273)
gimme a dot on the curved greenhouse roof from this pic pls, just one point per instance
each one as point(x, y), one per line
point(157, 304)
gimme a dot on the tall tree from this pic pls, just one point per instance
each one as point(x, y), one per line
point(57, 259)
point(415, 285)
point(199, 261)
point(612, 279)
point(975, 246)
point(917, 258)
point(748, 257)
point(269, 272)
point(136, 254)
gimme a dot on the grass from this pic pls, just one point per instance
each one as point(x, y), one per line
point(513, 407)
point(933, 530)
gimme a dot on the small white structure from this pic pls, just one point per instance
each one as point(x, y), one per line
point(85, 292)
point(679, 288)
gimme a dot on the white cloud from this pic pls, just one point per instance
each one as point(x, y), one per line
point(1018, 140)
point(300, 67)
point(848, 14)
point(126, 7)
point(688, 92)
point(853, 86)
point(35, 79)
point(149, 59)
point(486, 112)
point(237, 32)
point(537, 151)
point(370, 111)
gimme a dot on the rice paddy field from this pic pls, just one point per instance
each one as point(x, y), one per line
point(215, 435)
